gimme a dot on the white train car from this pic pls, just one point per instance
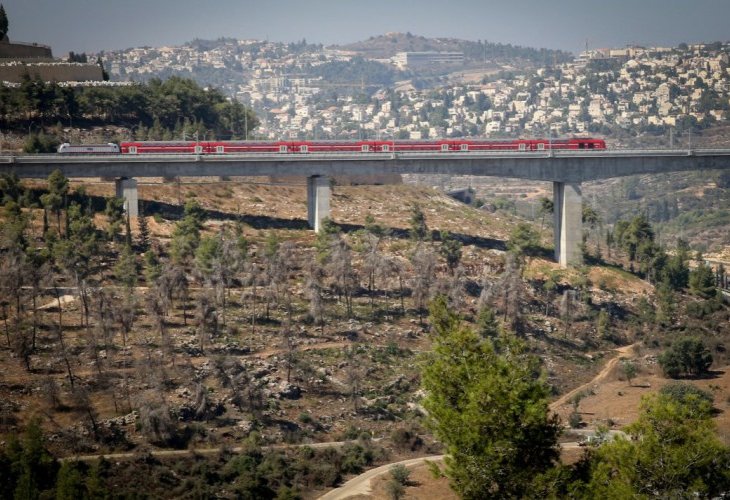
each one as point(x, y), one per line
point(88, 149)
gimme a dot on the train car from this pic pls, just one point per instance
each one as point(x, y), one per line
point(165, 147)
point(88, 149)
point(361, 146)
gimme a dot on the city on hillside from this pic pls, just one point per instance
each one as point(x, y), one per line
point(420, 95)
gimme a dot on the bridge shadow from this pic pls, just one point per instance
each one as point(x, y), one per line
point(172, 211)
point(176, 212)
point(404, 234)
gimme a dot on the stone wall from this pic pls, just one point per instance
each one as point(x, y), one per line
point(50, 71)
point(24, 50)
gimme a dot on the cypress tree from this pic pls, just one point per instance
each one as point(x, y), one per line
point(3, 22)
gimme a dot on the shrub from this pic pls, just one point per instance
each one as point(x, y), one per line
point(698, 400)
point(575, 420)
point(400, 473)
point(687, 356)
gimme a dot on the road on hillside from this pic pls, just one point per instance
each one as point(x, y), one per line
point(360, 485)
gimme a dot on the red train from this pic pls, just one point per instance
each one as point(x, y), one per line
point(364, 146)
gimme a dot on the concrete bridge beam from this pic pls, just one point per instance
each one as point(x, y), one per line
point(568, 232)
point(318, 200)
point(127, 190)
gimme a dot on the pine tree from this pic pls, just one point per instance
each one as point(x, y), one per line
point(489, 408)
point(3, 22)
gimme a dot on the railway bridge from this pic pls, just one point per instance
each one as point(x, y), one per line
point(567, 170)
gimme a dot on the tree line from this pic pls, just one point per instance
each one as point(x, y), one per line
point(154, 110)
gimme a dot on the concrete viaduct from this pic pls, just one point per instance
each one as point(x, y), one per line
point(565, 169)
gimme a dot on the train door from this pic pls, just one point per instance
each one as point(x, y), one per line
point(522, 146)
point(198, 149)
point(303, 148)
point(133, 150)
point(220, 149)
point(540, 146)
point(282, 148)
point(444, 147)
point(464, 147)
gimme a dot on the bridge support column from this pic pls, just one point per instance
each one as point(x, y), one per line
point(568, 232)
point(318, 200)
point(127, 189)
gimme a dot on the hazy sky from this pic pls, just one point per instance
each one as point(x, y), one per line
point(92, 25)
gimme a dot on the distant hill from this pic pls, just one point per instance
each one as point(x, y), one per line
point(388, 45)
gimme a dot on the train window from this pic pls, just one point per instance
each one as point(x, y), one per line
point(365, 148)
point(198, 149)
point(581, 145)
point(133, 150)
point(464, 147)
point(303, 148)
point(540, 146)
point(386, 147)
point(220, 149)
point(523, 146)
point(591, 145)
point(282, 149)
point(444, 147)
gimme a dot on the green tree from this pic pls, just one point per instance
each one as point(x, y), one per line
point(450, 250)
point(686, 356)
point(489, 408)
point(547, 206)
point(125, 270)
point(673, 452)
point(186, 235)
point(3, 22)
point(70, 483)
point(419, 229)
point(114, 212)
point(702, 281)
point(55, 199)
point(524, 240)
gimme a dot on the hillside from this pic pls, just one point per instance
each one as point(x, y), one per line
point(290, 344)
point(387, 45)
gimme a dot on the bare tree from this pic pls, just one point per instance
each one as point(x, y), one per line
point(342, 273)
point(82, 401)
point(125, 313)
point(206, 317)
point(353, 375)
point(372, 264)
point(313, 290)
point(155, 421)
point(506, 293)
point(423, 261)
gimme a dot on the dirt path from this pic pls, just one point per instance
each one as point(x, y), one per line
point(200, 451)
point(64, 299)
point(360, 485)
point(622, 351)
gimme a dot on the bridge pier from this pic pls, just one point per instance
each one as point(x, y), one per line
point(568, 216)
point(318, 200)
point(127, 190)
